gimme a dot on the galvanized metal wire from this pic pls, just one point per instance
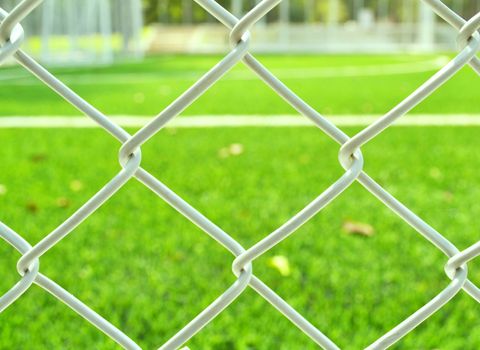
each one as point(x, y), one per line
point(350, 157)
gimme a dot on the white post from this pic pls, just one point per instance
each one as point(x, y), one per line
point(137, 23)
point(91, 26)
point(105, 28)
point(48, 17)
point(284, 20)
point(237, 9)
point(284, 15)
point(72, 25)
point(426, 16)
point(91, 8)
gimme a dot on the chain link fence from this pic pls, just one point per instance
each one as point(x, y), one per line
point(350, 157)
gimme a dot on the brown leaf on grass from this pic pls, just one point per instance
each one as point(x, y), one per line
point(38, 157)
point(32, 207)
point(358, 228)
point(63, 202)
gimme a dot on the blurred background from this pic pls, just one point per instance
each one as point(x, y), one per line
point(99, 31)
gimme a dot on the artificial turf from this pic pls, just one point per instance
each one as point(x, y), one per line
point(146, 87)
point(150, 271)
point(147, 269)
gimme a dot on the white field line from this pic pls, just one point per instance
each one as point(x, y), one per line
point(237, 121)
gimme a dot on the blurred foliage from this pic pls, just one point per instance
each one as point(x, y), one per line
point(188, 11)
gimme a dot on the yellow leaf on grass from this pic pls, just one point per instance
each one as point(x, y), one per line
point(235, 149)
point(358, 228)
point(281, 264)
point(76, 185)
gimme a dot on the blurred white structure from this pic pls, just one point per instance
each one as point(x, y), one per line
point(65, 32)
point(322, 26)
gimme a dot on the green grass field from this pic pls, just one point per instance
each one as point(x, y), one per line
point(149, 271)
point(144, 88)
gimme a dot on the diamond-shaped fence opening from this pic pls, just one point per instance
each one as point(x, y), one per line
point(350, 157)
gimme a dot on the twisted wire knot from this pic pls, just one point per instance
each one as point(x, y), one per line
point(240, 33)
point(469, 31)
point(348, 156)
point(241, 263)
point(28, 275)
point(239, 39)
point(130, 165)
point(350, 153)
point(10, 39)
point(452, 269)
point(127, 156)
point(460, 260)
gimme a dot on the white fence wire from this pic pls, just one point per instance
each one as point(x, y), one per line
point(350, 157)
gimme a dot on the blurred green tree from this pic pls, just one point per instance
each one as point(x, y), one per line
point(188, 11)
